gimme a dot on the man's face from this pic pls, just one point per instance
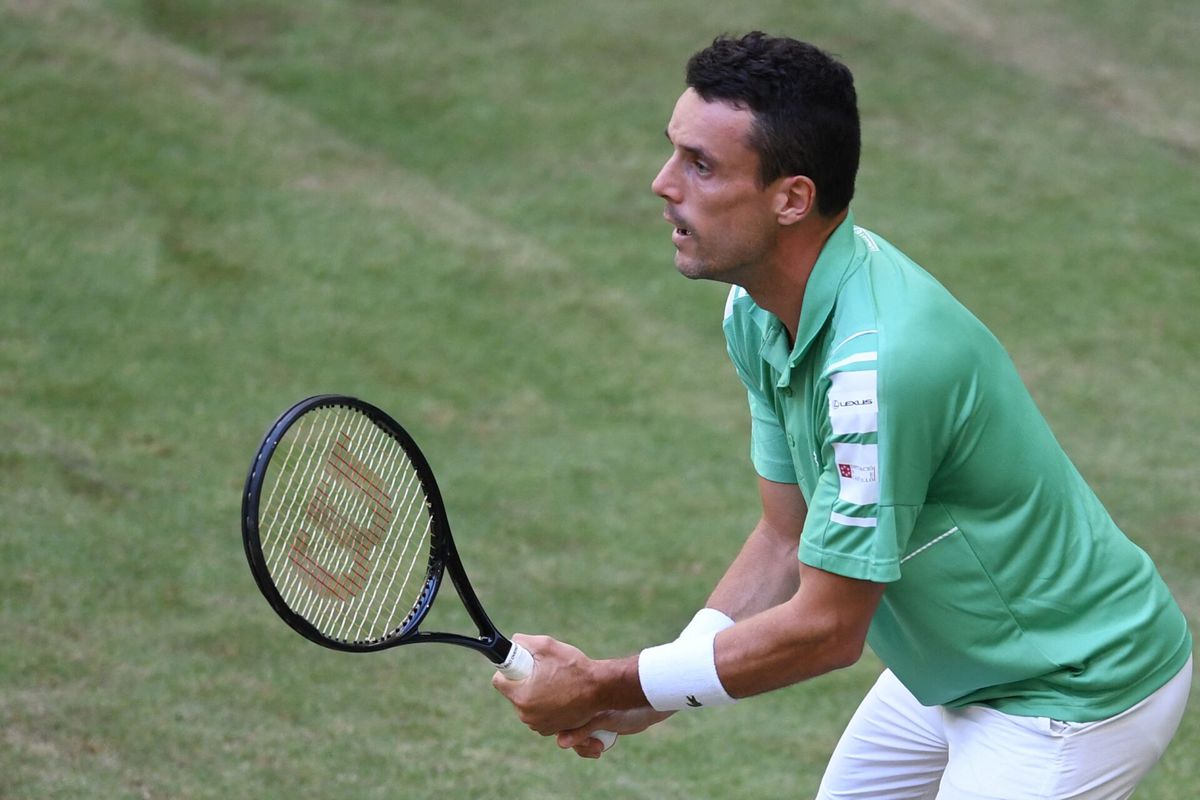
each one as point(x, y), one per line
point(725, 224)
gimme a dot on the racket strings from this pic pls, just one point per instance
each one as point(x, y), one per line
point(335, 568)
point(416, 523)
point(344, 526)
point(349, 485)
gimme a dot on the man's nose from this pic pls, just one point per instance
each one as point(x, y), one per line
point(664, 185)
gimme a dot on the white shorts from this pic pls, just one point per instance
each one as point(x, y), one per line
point(898, 749)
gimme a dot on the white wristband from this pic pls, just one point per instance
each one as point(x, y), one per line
point(682, 674)
point(707, 620)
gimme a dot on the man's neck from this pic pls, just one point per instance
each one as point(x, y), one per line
point(782, 283)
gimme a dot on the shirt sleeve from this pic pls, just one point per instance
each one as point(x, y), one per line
point(769, 450)
point(854, 528)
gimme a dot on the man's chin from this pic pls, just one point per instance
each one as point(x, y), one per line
point(694, 270)
point(689, 267)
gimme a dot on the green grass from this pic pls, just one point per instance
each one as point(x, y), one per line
point(209, 209)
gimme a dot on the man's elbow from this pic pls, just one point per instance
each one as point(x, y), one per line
point(845, 651)
point(830, 647)
point(842, 642)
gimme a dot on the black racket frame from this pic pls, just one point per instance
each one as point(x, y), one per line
point(443, 555)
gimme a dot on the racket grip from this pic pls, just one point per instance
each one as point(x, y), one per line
point(519, 666)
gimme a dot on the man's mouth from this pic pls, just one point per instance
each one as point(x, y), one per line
point(680, 230)
point(681, 235)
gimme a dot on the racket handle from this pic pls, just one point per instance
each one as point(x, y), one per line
point(519, 666)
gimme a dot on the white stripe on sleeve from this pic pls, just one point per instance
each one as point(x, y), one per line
point(854, 522)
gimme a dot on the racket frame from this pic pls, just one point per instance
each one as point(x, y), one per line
point(443, 555)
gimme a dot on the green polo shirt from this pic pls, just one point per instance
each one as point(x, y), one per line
point(927, 466)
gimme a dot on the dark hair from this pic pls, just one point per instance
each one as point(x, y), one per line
point(804, 105)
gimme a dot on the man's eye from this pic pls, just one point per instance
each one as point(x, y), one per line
point(701, 167)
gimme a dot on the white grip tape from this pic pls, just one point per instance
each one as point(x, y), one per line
point(519, 666)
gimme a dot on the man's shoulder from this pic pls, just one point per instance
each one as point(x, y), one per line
point(920, 333)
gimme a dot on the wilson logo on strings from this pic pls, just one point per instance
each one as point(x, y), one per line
point(347, 514)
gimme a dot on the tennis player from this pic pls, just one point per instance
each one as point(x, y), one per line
point(1032, 650)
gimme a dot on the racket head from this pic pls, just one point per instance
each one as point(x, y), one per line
point(343, 525)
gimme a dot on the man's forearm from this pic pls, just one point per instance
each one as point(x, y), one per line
point(764, 574)
point(820, 629)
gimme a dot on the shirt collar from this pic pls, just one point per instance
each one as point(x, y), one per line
point(819, 296)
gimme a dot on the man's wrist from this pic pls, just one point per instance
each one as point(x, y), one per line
point(682, 674)
point(618, 682)
point(617, 686)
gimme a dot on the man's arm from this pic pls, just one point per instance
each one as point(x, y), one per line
point(764, 573)
point(823, 627)
point(793, 623)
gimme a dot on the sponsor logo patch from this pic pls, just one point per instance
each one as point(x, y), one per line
point(858, 472)
point(853, 403)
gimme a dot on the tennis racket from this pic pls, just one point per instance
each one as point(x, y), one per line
point(347, 536)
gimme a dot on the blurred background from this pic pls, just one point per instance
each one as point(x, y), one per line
point(212, 208)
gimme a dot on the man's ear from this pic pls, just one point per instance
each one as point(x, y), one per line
point(797, 198)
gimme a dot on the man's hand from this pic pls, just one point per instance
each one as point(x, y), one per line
point(624, 723)
point(562, 694)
